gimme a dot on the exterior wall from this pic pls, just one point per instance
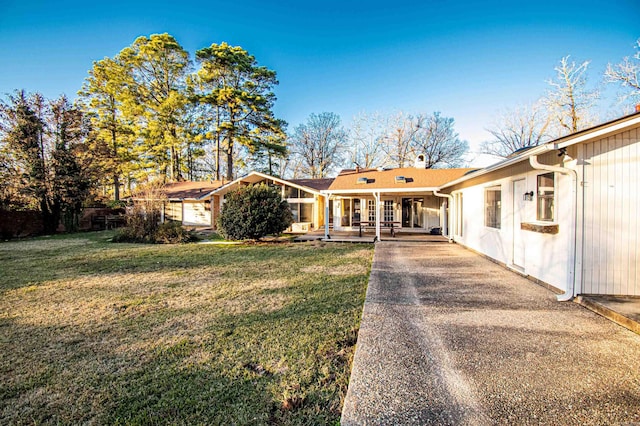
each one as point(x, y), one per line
point(611, 249)
point(319, 211)
point(173, 211)
point(196, 213)
point(215, 210)
point(543, 256)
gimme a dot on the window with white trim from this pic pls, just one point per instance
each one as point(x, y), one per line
point(388, 211)
point(545, 199)
point(371, 210)
point(493, 206)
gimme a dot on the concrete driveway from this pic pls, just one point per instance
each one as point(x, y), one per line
point(448, 337)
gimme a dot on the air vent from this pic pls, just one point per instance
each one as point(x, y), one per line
point(362, 181)
point(401, 179)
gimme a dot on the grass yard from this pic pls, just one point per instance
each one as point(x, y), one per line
point(102, 333)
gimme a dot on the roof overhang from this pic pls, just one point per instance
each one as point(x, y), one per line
point(597, 132)
point(378, 190)
point(255, 177)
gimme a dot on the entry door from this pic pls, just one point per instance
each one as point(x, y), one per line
point(406, 212)
point(519, 188)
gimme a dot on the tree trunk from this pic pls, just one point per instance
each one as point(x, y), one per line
point(116, 187)
point(114, 145)
point(230, 158)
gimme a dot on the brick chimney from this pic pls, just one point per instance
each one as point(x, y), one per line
point(637, 107)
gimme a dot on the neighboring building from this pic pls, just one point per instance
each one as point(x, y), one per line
point(565, 212)
point(190, 202)
point(303, 196)
point(403, 199)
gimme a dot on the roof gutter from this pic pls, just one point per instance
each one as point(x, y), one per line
point(540, 149)
point(569, 293)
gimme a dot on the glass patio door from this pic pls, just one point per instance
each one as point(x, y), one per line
point(413, 212)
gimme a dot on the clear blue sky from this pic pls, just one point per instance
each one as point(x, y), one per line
point(468, 60)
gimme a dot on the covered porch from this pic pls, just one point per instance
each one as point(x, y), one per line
point(368, 236)
point(385, 215)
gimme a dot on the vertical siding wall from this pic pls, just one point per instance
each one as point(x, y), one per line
point(611, 209)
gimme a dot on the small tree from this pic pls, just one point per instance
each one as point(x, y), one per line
point(252, 212)
point(626, 75)
point(143, 219)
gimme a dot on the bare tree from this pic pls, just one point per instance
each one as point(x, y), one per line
point(626, 74)
point(366, 140)
point(318, 145)
point(569, 100)
point(436, 138)
point(400, 131)
point(519, 128)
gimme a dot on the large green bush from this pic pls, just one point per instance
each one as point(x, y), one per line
point(252, 212)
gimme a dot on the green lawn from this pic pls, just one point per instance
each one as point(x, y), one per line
point(104, 333)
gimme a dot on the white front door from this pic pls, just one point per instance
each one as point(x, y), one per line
point(519, 188)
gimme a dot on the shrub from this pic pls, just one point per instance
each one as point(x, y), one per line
point(143, 221)
point(173, 233)
point(141, 227)
point(252, 212)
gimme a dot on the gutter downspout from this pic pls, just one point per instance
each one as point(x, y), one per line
point(570, 292)
point(449, 216)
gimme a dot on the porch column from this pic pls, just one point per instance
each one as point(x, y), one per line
point(376, 197)
point(326, 216)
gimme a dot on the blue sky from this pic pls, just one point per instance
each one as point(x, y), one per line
point(469, 60)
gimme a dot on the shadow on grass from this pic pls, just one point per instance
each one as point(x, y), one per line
point(287, 364)
point(44, 260)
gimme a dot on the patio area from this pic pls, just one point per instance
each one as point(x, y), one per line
point(369, 236)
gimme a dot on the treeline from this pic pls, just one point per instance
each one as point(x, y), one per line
point(569, 105)
point(154, 113)
point(146, 114)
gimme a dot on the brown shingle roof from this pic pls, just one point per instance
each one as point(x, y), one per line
point(386, 179)
point(182, 190)
point(317, 184)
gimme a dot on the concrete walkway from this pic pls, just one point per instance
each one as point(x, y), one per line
point(448, 337)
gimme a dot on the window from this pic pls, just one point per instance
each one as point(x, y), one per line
point(546, 191)
point(371, 209)
point(388, 211)
point(302, 212)
point(295, 211)
point(459, 220)
point(290, 192)
point(493, 206)
point(306, 212)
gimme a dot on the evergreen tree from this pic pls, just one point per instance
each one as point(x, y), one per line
point(104, 95)
point(241, 94)
point(157, 101)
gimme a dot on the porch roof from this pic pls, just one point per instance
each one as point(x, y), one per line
point(310, 185)
point(386, 180)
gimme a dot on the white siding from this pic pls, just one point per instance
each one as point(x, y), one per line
point(610, 223)
point(196, 214)
point(546, 255)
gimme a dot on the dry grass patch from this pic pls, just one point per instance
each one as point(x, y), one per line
point(94, 332)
